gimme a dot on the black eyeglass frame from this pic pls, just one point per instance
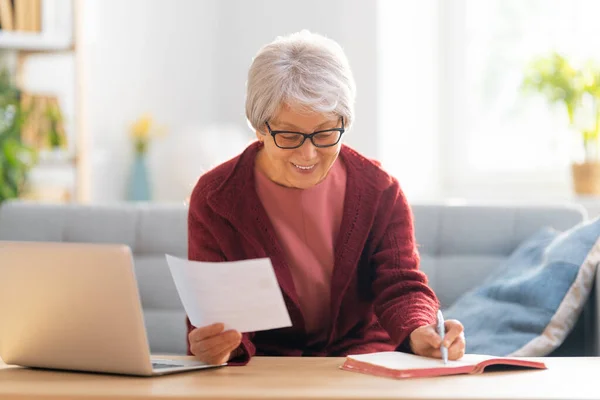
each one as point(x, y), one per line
point(307, 136)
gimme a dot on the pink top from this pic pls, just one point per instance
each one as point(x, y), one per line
point(307, 222)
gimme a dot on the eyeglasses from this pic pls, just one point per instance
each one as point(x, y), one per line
point(293, 140)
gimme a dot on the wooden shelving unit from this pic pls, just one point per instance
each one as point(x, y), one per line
point(59, 32)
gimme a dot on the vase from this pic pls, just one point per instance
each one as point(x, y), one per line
point(586, 178)
point(139, 184)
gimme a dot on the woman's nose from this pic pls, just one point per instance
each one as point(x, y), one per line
point(308, 150)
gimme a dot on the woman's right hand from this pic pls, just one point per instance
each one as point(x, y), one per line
point(211, 345)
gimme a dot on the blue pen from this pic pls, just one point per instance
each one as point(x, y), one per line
point(441, 332)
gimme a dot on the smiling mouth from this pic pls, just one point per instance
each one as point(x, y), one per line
point(304, 167)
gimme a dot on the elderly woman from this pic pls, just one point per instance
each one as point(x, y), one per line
point(336, 226)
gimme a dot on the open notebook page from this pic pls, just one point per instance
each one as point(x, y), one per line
point(404, 361)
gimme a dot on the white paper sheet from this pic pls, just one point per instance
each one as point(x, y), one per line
point(243, 295)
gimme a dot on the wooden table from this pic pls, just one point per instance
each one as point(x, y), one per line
point(307, 378)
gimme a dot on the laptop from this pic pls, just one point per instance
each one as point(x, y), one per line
point(76, 306)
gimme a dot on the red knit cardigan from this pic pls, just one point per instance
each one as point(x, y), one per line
point(378, 293)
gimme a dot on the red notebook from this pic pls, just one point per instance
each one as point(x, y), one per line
point(402, 365)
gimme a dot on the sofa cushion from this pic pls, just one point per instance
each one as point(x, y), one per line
point(529, 305)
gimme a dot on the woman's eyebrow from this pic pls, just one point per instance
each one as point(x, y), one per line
point(292, 126)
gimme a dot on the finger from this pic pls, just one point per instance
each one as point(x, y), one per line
point(216, 344)
point(457, 349)
point(222, 357)
point(431, 337)
point(455, 352)
point(435, 353)
point(233, 347)
point(216, 356)
point(207, 355)
point(204, 332)
point(236, 343)
point(453, 330)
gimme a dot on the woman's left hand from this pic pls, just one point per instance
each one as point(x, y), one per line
point(425, 341)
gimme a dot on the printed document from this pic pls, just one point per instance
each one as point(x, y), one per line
point(243, 295)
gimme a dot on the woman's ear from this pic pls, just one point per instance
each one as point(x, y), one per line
point(260, 136)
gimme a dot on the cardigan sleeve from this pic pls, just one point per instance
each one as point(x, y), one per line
point(403, 299)
point(203, 246)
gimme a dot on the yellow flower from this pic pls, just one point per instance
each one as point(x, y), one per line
point(141, 128)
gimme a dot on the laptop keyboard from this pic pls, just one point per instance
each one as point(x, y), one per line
point(161, 365)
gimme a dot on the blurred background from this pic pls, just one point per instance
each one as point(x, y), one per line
point(486, 101)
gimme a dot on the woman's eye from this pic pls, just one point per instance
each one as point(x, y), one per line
point(289, 137)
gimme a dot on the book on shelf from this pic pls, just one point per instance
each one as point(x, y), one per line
point(21, 15)
point(7, 19)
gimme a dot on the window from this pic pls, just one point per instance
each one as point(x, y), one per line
point(502, 138)
point(491, 139)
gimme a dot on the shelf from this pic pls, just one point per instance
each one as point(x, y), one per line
point(56, 158)
point(68, 163)
point(34, 41)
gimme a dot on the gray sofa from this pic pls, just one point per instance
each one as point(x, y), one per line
point(459, 246)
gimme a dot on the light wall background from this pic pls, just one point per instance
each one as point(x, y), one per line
point(420, 68)
point(185, 62)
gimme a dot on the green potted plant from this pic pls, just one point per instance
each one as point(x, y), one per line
point(577, 90)
point(16, 159)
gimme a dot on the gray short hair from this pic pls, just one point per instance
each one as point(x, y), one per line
point(303, 69)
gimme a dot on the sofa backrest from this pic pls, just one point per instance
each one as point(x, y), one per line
point(459, 246)
point(151, 230)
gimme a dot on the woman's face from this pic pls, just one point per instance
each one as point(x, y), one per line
point(306, 165)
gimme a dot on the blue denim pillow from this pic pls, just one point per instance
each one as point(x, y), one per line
point(529, 304)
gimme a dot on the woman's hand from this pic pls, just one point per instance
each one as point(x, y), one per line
point(211, 345)
point(425, 341)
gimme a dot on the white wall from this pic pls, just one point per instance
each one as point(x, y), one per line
point(245, 26)
point(185, 62)
point(144, 56)
point(410, 136)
